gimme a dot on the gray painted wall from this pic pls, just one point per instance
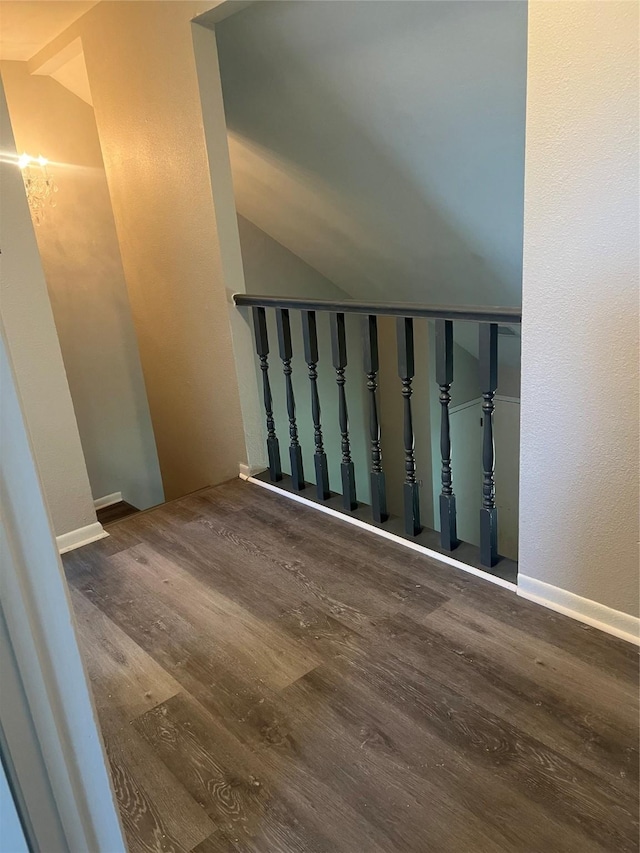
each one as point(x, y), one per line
point(383, 143)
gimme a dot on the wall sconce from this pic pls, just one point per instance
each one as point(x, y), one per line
point(40, 186)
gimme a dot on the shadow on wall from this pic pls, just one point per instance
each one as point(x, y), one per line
point(80, 254)
point(384, 143)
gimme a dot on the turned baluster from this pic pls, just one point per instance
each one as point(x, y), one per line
point(310, 339)
point(406, 371)
point(371, 367)
point(488, 341)
point(262, 349)
point(286, 354)
point(339, 353)
point(444, 378)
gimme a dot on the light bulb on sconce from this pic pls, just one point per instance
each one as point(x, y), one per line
point(39, 185)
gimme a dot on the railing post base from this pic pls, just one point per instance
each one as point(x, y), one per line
point(412, 524)
point(275, 466)
point(378, 497)
point(322, 476)
point(297, 473)
point(489, 536)
point(348, 475)
point(448, 532)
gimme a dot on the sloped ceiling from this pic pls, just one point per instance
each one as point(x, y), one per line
point(383, 143)
point(26, 26)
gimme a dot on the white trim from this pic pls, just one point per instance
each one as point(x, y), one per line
point(13, 836)
point(108, 500)
point(604, 618)
point(434, 555)
point(82, 536)
point(465, 405)
point(615, 622)
point(40, 642)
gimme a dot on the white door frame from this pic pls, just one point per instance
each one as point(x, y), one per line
point(45, 697)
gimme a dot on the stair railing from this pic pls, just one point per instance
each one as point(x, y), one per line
point(487, 319)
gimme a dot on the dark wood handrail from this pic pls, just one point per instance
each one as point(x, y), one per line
point(478, 314)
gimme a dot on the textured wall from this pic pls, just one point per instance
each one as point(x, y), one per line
point(35, 353)
point(81, 261)
point(579, 452)
point(141, 68)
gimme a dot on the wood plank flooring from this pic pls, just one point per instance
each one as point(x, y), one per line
point(115, 512)
point(271, 680)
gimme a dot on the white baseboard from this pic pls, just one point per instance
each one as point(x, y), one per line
point(583, 609)
point(108, 500)
point(434, 555)
point(82, 536)
point(604, 618)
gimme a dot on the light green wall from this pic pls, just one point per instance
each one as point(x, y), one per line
point(383, 143)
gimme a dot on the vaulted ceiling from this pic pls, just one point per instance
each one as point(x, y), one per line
point(26, 26)
point(383, 143)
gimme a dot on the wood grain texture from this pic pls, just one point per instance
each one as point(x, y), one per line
point(126, 681)
point(251, 644)
point(157, 811)
point(227, 779)
point(214, 844)
point(271, 680)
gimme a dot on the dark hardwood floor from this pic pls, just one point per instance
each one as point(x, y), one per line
point(271, 680)
point(115, 512)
